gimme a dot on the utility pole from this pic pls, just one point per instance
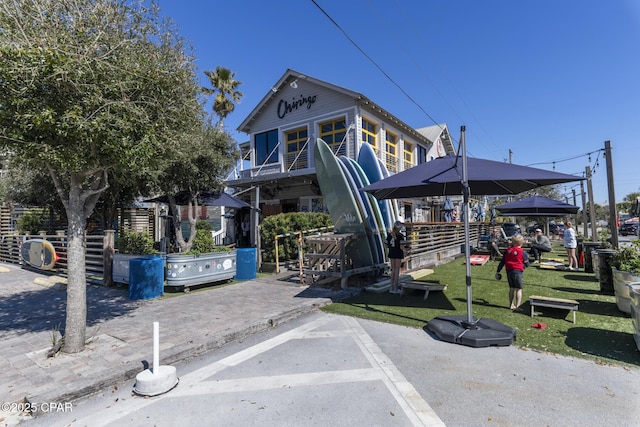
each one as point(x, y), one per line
point(613, 222)
point(592, 209)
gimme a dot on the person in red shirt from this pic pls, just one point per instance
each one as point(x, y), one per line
point(515, 260)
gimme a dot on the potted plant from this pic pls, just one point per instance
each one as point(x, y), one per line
point(625, 266)
point(130, 245)
point(203, 263)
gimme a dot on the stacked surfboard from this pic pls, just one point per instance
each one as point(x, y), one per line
point(352, 210)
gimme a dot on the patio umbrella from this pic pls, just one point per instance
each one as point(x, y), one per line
point(205, 198)
point(447, 208)
point(537, 206)
point(458, 175)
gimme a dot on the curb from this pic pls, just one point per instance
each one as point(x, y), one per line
point(175, 355)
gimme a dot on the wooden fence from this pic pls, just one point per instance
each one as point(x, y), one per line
point(429, 244)
point(99, 248)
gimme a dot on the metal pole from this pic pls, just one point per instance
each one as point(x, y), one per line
point(584, 212)
point(467, 255)
point(613, 221)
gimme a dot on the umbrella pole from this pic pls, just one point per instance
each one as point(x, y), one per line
point(467, 240)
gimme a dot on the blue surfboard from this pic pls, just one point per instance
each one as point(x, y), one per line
point(368, 160)
point(368, 211)
point(341, 203)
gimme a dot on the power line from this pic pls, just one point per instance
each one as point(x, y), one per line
point(376, 64)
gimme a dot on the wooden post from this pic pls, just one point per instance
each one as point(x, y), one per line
point(584, 212)
point(592, 208)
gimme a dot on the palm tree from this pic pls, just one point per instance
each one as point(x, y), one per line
point(224, 87)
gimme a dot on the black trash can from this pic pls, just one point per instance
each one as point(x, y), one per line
point(146, 277)
point(588, 260)
point(605, 257)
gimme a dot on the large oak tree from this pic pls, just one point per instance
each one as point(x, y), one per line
point(89, 86)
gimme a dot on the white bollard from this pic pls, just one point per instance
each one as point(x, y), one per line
point(156, 346)
point(158, 379)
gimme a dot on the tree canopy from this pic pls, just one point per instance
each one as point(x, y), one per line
point(91, 86)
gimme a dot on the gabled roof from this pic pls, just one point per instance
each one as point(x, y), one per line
point(432, 133)
point(292, 75)
point(288, 77)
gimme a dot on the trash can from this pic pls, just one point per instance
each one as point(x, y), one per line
point(246, 265)
point(606, 273)
point(588, 259)
point(146, 277)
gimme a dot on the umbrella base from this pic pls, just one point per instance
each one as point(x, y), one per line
point(479, 333)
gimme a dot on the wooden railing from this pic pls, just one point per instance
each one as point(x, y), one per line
point(429, 243)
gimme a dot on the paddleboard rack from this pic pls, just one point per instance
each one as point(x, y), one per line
point(327, 258)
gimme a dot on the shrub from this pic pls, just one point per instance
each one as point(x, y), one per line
point(30, 222)
point(202, 244)
point(627, 259)
point(135, 243)
point(288, 223)
point(202, 224)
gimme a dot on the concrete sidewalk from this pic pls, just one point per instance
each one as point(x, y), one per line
point(32, 308)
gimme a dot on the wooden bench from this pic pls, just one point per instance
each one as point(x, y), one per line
point(423, 286)
point(567, 304)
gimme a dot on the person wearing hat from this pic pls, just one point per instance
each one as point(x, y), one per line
point(541, 243)
point(395, 242)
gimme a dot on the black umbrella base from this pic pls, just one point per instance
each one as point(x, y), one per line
point(480, 333)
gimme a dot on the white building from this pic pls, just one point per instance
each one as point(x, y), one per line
point(283, 127)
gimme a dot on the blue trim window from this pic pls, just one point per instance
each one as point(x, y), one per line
point(265, 144)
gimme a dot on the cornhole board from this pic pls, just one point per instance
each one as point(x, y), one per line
point(567, 304)
point(478, 259)
point(552, 264)
point(423, 286)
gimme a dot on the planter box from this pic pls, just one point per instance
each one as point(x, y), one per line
point(622, 281)
point(121, 267)
point(190, 270)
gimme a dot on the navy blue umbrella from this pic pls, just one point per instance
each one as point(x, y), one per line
point(537, 206)
point(443, 176)
point(205, 198)
point(459, 175)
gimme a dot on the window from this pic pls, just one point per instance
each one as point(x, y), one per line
point(392, 152)
point(408, 155)
point(334, 133)
point(296, 157)
point(266, 151)
point(422, 154)
point(369, 132)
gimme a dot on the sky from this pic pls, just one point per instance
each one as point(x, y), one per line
point(541, 82)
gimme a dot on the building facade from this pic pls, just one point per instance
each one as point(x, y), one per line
point(278, 173)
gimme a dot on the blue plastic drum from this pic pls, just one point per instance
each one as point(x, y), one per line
point(246, 265)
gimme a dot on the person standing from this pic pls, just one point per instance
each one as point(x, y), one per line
point(515, 260)
point(395, 242)
point(494, 240)
point(541, 243)
point(570, 244)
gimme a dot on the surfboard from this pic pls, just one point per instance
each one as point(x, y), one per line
point(368, 161)
point(341, 203)
point(395, 211)
point(367, 210)
point(38, 253)
point(374, 204)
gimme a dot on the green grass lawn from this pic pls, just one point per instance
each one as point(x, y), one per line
point(602, 332)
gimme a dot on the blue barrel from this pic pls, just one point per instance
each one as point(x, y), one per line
point(246, 266)
point(146, 277)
